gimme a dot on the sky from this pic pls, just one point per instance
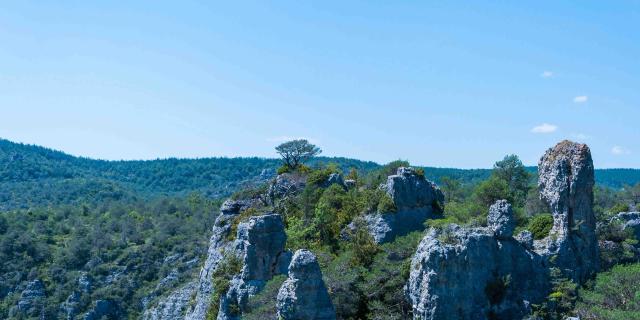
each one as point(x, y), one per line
point(438, 83)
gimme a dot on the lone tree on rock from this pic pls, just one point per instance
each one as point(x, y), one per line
point(295, 152)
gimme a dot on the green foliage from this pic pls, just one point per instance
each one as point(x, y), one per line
point(385, 203)
point(615, 295)
point(362, 244)
point(295, 152)
point(619, 207)
point(489, 191)
point(540, 225)
point(511, 170)
point(229, 266)
point(262, 305)
point(562, 299)
point(56, 244)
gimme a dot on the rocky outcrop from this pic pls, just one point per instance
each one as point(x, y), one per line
point(32, 298)
point(304, 295)
point(566, 179)
point(501, 220)
point(486, 273)
point(415, 199)
point(630, 221)
point(103, 309)
point(334, 178)
point(479, 273)
point(174, 306)
point(260, 245)
point(284, 185)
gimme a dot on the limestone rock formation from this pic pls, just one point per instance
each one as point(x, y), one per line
point(416, 200)
point(566, 179)
point(304, 295)
point(260, 244)
point(285, 185)
point(460, 273)
point(501, 220)
point(32, 298)
point(174, 306)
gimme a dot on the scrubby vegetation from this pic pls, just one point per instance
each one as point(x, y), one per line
point(125, 248)
point(129, 225)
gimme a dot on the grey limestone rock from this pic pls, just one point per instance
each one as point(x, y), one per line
point(460, 273)
point(566, 180)
point(304, 295)
point(32, 298)
point(501, 220)
point(416, 200)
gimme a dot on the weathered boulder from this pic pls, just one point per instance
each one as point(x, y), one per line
point(304, 295)
point(501, 220)
point(232, 207)
point(566, 179)
point(415, 199)
point(32, 298)
point(460, 273)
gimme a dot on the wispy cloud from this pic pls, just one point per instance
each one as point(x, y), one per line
point(580, 99)
point(618, 150)
point(544, 128)
point(580, 136)
point(281, 139)
point(546, 74)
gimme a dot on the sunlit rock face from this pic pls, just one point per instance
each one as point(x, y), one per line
point(566, 180)
point(476, 273)
point(304, 295)
point(415, 198)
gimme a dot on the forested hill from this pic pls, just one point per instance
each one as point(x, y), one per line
point(36, 176)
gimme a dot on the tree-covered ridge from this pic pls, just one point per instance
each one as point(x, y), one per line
point(32, 175)
point(36, 176)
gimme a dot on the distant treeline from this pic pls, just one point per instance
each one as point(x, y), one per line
point(32, 176)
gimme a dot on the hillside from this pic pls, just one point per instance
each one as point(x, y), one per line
point(32, 176)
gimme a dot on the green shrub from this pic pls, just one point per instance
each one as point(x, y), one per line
point(615, 295)
point(229, 266)
point(262, 305)
point(540, 225)
point(386, 204)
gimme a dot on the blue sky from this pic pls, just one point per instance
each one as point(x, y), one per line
point(437, 83)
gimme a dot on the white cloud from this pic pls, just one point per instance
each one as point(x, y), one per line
point(282, 139)
point(580, 136)
point(544, 128)
point(618, 150)
point(546, 74)
point(580, 99)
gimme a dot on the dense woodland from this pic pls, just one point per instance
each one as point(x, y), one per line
point(137, 229)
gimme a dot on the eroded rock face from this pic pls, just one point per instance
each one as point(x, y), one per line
point(260, 245)
point(462, 273)
point(566, 179)
point(174, 306)
point(304, 295)
point(501, 220)
point(416, 200)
